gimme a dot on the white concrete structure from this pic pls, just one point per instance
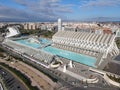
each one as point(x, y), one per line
point(65, 68)
point(39, 55)
point(12, 31)
point(88, 43)
point(59, 24)
point(70, 64)
point(34, 40)
point(111, 81)
point(103, 43)
point(98, 31)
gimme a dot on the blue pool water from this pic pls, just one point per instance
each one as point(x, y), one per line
point(34, 45)
point(25, 42)
point(84, 59)
point(43, 40)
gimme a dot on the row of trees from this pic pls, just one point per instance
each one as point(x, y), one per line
point(114, 78)
point(44, 33)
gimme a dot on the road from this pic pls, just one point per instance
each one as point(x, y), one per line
point(38, 79)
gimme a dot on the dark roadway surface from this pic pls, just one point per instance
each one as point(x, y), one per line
point(117, 58)
point(114, 67)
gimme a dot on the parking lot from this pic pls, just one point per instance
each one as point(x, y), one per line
point(10, 81)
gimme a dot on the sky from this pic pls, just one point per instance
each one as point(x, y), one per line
point(51, 10)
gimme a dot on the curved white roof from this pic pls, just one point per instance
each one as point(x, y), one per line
point(97, 42)
point(12, 31)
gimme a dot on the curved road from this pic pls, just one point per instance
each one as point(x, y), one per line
point(38, 79)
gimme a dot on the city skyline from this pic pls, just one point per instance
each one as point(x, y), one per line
point(51, 10)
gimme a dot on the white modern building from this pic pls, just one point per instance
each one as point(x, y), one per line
point(12, 31)
point(100, 46)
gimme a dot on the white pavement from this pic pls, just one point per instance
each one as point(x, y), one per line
point(72, 74)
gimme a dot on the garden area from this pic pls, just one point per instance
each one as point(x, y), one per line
point(38, 32)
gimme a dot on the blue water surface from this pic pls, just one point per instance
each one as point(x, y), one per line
point(84, 59)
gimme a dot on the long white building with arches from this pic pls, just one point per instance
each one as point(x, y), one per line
point(100, 46)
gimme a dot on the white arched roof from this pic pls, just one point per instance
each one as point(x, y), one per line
point(12, 31)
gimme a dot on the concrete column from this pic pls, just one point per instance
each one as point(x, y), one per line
point(64, 68)
point(70, 64)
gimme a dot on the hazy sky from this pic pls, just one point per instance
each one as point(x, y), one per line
point(50, 10)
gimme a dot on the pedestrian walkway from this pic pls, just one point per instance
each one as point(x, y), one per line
point(72, 74)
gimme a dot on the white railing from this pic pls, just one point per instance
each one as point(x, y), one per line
point(111, 81)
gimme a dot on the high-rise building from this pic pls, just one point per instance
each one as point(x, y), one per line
point(59, 24)
point(31, 26)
